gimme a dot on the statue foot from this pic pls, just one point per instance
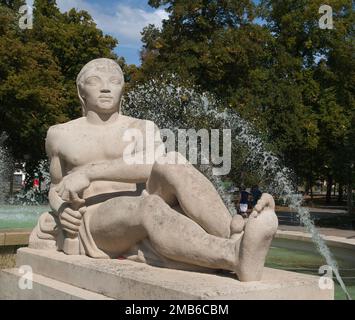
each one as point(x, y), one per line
point(254, 246)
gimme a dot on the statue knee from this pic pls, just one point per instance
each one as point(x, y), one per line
point(171, 166)
point(153, 210)
point(151, 203)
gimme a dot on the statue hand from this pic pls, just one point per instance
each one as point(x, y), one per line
point(71, 185)
point(266, 201)
point(70, 221)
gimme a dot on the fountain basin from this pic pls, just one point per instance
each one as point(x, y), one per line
point(20, 217)
point(301, 256)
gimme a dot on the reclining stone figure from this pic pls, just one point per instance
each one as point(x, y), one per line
point(160, 213)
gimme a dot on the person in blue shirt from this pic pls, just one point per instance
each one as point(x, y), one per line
point(244, 201)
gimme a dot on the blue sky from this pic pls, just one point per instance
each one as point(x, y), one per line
point(123, 19)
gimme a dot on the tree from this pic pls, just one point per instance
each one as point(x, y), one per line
point(38, 69)
point(30, 90)
point(291, 79)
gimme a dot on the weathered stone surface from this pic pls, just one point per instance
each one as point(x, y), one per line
point(123, 279)
point(43, 288)
point(16, 238)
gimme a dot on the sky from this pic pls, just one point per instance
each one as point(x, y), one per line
point(123, 19)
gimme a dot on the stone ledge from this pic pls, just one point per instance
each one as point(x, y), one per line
point(43, 288)
point(122, 279)
point(14, 237)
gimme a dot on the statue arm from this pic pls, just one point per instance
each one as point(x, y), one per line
point(56, 203)
point(125, 170)
point(118, 170)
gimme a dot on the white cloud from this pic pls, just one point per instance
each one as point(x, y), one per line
point(122, 21)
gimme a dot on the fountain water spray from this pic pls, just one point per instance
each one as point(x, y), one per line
point(283, 187)
point(172, 106)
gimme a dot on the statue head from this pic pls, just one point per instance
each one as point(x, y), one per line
point(100, 86)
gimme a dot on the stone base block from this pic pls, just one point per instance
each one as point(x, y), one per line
point(61, 275)
point(42, 288)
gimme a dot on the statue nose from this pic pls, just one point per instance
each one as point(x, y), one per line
point(105, 91)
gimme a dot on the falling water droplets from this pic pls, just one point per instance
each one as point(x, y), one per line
point(163, 106)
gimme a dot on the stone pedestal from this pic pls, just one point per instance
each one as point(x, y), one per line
point(58, 276)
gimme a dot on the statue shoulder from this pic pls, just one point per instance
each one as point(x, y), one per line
point(59, 128)
point(55, 134)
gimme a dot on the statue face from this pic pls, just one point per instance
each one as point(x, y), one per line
point(102, 90)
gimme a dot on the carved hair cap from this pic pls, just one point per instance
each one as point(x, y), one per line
point(101, 64)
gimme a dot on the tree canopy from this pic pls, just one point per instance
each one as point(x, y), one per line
point(38, 68)
point(274, 65)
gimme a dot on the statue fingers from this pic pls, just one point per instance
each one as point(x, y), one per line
point(73, 213)
point(69, 227)
point(73, 220)
point(74, 198)
point(82, 210)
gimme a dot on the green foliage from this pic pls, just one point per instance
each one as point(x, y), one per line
point(38, 68)
point(291, 79)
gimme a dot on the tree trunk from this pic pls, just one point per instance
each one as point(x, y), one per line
point(329, 188)
point(350, 198)
point(340, 193)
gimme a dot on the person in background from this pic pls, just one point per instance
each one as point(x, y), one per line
point(256, 194)
point(244, 201)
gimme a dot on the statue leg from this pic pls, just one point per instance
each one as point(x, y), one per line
point(184, 185)
point(116, 225)
point(121, 223)
point(178, 238)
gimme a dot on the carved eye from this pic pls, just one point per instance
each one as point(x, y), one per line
point(116, 81)
point(92, 81)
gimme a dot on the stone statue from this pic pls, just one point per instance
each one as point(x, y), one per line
point(163, 214)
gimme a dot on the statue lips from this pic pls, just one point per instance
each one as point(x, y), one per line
point(106, 97)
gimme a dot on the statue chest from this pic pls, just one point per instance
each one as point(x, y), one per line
point(92, 146)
